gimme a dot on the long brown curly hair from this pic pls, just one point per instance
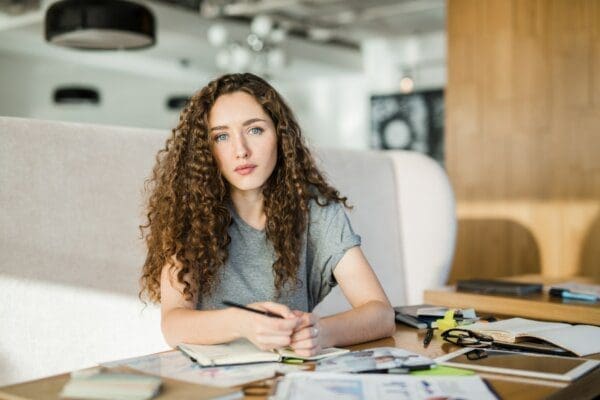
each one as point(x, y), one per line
point(187, 213)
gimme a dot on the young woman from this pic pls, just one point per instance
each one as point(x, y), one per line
point(238, 211)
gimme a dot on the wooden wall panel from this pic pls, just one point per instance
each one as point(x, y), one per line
point(523, 135)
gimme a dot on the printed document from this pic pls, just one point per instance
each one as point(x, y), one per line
point(338, 386)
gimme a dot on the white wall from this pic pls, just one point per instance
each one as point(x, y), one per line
point(28, 83)
point(333, 111)
point(385, 60)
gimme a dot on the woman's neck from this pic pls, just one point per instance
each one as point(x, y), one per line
point(250, 207)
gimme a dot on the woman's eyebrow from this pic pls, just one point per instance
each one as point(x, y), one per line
point(253, 120)
point(246, 123)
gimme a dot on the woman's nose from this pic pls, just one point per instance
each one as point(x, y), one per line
point(241, 150)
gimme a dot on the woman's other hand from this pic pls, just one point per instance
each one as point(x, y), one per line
point(308, 338)
point(268, 332)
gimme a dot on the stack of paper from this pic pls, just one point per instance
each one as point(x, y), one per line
point(111, 385)
point(376, 359)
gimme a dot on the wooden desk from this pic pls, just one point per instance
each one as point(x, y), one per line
point(537, 306)
point(407, 338)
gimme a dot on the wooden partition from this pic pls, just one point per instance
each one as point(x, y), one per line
point(523, 136)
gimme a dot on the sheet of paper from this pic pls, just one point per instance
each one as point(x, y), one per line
point(337, 386)
point(582, 340)
point(174, 364)
point(515, 326)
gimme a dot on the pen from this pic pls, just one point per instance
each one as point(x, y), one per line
point(266, 313)
point(428, 337)
point(566, 294)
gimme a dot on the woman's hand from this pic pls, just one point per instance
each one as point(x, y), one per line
point(308, 338)
point(268, 332)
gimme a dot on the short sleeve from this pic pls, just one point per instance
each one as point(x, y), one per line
point(330, 235)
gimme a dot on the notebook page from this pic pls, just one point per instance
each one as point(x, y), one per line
point(582, 340)
point(508, 329)
point(239, 351)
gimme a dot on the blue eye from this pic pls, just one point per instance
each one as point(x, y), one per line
point(220, 137)
point(256, 130)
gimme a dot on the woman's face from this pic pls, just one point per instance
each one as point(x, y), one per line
point(243, 139)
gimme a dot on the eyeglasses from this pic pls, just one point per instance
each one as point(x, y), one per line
point(467, 338)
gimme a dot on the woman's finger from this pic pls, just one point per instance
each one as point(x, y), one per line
point(273, 341)
point(306, 333)
point(275, 308)
point(308, 351)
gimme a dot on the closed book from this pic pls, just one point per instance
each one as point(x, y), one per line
point(408, 316)
point(111, 385)
point(493, 286)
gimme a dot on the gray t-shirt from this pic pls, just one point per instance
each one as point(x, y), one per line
point(247, 276)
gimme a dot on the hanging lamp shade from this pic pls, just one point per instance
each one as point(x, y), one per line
point(100, 24)
point(76, 95)
point(177, 102)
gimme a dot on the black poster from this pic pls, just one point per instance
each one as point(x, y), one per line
point(413, 121)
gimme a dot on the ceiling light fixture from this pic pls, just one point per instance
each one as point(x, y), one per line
point(76, 95)
point(176, 103)
point(260, 52)
point(100, 24)
point(407, 82)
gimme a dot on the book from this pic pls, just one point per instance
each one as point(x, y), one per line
point(424, 315)
point(493, 286)
point(581, 340)
point(99, 384)
point(243, 351)
point(408, 315)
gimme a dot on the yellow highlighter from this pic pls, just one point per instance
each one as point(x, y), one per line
point(448, 322)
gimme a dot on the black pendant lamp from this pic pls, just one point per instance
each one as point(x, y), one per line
point(177, 102)
point(100, 24)
point(76, 95)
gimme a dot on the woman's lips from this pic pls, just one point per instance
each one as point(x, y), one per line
point(245, 170)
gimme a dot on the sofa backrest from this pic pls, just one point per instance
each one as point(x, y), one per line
point(70, 206)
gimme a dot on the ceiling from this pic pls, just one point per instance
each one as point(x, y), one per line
point(323, 35)
point(341, 21)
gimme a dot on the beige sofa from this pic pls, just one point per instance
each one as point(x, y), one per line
point(70, 206)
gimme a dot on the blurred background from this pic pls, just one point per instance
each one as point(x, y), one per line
point(505, 94)
point(327, 57)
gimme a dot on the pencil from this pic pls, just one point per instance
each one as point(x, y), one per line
point(266, 313)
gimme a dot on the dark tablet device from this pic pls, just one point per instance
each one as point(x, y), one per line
point(490, 286)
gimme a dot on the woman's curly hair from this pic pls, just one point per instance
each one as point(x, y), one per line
point(187, 213)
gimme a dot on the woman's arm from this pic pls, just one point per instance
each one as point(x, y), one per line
point(182, 323)
point(371, 317)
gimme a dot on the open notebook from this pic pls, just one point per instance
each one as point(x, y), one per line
point(579, 339)
point(244, 352)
